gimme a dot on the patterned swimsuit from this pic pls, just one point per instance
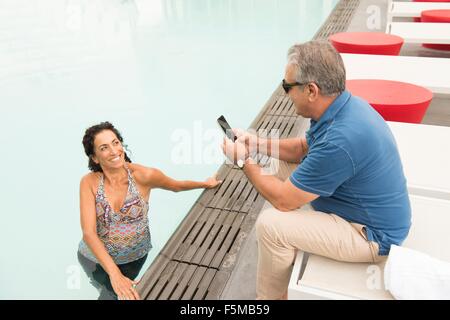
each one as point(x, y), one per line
point(126, 233)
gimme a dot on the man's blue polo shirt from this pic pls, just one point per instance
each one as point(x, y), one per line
point(354, 166)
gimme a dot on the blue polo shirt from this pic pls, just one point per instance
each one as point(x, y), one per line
point(354, 166)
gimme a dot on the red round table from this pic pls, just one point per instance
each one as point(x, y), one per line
point(436, 16)
point(393, 100)
point(418, 19)
point(367, 43)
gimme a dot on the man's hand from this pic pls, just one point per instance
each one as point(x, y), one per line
point(234, 151)
point(250, 140)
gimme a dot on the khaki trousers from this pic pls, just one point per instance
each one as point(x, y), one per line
point(281, 234)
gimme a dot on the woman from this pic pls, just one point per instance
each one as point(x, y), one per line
point(113, 209)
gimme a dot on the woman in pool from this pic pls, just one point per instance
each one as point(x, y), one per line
point(113, 210)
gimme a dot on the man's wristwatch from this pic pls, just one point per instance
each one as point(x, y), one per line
point(241, 163)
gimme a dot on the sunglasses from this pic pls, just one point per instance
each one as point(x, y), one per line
point(288, 86)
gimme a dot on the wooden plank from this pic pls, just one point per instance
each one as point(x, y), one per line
point(183, 283)
point(193, 283)
point(280, 106)
point(285, 124)
point(242, 197)
point(231, 189)
point(275, 95)
point(210, 238)
point(299, 128)
point(230, 259)
point(173, 281)
point(288, 128)
point(268, 125)
point(203, 286)
point(264, 161)
point(250, 200)
point(222, 189)
point(238, 191)
point(226, 245)
point(264, 123)
point(279, 127)
point(217, 285)
point(280, 91)
point(206, 229)
point(276, 105)
point(211, 252)
point(191, 236)
point(286, 106)
point(208, 194)
point(281, 109)
point(258, 124)
point(162, 281)
point(289, 124)
point(172, 245)
point(151, 276)
point(284, 102)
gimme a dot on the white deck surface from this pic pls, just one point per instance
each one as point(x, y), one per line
point(431, 73)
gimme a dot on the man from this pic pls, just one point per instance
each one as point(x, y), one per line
point(349, 171)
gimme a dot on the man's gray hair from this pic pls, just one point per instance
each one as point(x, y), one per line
point(318, 61)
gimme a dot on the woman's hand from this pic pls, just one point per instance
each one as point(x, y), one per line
point(124, 287)
point(212, 182)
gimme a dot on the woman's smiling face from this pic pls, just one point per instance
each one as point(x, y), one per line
point(108, 150)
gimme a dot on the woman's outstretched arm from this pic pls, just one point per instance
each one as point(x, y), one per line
point(155, 178)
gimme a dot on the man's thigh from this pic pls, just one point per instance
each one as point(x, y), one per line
point(318, 233)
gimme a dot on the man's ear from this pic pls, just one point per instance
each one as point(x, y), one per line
point(313, 92)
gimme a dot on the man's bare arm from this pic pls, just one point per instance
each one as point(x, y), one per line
point(290, 150)
point(283, 195)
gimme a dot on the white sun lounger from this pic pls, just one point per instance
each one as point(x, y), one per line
point(411, 32)
point(397, 9)
point(425, 154)
point(431, 73)
point(323, 278)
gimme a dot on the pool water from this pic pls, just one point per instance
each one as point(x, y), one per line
point(161, 72)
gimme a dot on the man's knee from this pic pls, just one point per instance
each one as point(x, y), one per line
point(266, 222)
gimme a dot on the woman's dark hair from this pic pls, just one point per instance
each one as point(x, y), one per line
point(88, 143)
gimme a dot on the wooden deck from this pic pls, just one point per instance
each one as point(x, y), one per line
point(198, 259)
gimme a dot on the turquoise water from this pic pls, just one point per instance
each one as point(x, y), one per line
point(161, 71)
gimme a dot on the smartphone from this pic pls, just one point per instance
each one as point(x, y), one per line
point(226, 128)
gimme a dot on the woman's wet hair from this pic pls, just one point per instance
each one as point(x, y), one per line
point(88, 143)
